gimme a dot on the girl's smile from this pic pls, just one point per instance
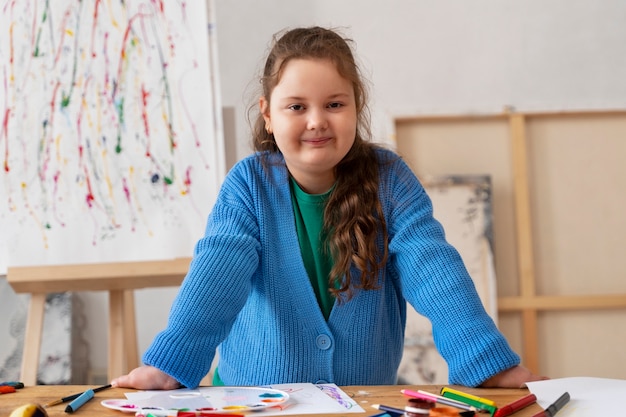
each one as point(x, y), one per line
point(318, 141)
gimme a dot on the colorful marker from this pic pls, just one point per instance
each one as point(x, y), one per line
point(14, 384)
point(424, 395)
point(6, 389)
point(388, 409)
point(467, 395)
point(555, 406)
point(516, 405)
point(80, 401)
point(478, 402)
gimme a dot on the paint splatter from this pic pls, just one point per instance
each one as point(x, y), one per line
point(100, 129)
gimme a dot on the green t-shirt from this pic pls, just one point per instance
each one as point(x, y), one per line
point(309, 214)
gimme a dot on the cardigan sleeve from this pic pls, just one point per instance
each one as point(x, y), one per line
point(214, 290)
point(436, 283)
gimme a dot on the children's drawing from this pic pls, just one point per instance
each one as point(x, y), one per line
point(338, 395)
point(278, 399)
point(204, 399)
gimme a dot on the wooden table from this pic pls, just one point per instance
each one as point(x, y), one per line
point(365, 396)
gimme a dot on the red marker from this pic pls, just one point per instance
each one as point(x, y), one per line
point(515, 406)
point(6, 389)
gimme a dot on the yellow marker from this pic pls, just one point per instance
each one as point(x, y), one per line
point(468, 396)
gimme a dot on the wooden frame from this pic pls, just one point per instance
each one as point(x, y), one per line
point(528, 303)
point(119, 279)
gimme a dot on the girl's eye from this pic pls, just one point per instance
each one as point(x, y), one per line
point(335, 105)
point(296, 107)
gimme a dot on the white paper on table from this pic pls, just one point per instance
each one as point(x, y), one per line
point(589, 396)
point(304, 398)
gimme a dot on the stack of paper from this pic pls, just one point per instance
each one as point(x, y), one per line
point(589, 397)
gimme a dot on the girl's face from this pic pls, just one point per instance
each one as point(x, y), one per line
point(312, 114)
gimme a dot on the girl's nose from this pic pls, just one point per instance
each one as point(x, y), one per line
point(317, 120)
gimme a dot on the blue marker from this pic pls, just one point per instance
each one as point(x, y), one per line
point(14, 384)
point(80, 401)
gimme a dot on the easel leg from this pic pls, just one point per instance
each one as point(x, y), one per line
point(116, 334)
point(32, 339)
point(130, 331)
point(123, 351)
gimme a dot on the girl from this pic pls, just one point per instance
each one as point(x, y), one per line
point(314, 246)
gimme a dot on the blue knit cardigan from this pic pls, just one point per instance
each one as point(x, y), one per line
point(247, 293)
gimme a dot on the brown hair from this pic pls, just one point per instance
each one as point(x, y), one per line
point(353, 218)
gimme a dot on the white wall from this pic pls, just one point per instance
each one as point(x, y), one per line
point(446, 56)
point(428, 56)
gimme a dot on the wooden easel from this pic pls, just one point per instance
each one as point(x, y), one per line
point(513, 128)
point(529, 303)
point(119, 279)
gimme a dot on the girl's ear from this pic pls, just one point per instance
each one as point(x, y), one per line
point(264, 107)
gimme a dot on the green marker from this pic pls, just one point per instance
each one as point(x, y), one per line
point(473, 400)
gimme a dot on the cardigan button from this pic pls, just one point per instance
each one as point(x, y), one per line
point(323, 342)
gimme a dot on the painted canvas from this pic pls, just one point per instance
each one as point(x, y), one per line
point(463, 205)
point(110, 130)
point(111, 146)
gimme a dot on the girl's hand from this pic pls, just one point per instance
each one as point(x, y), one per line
point(146, 377)
point(515, 377)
